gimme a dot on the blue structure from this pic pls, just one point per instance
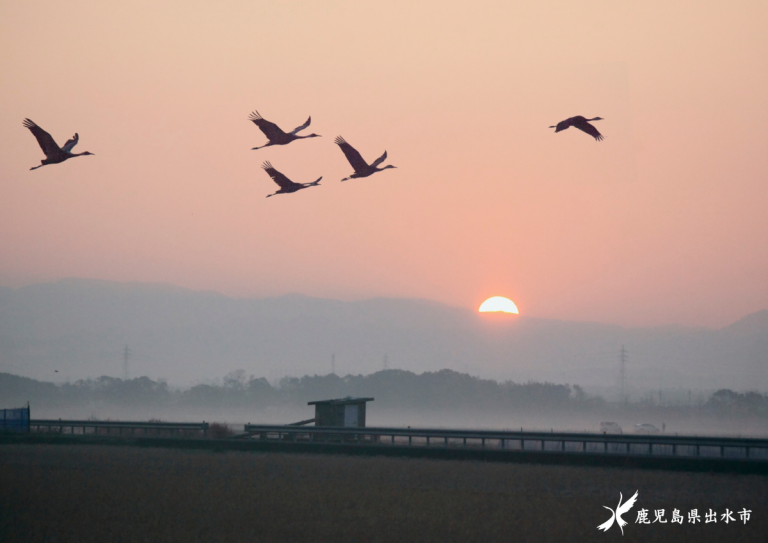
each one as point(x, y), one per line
point(14, 420)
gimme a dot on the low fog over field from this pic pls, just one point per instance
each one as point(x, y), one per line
point(444, 398)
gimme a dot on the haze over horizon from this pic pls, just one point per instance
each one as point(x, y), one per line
point(77, 329)
point(661, 223)
point(361, 298)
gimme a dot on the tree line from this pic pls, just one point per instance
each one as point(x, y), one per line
point(391, 388)
point(443, 390)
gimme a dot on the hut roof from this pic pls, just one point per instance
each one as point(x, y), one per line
point(341, 401)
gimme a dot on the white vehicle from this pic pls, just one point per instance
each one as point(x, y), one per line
point(646, 428)
point(610, 428)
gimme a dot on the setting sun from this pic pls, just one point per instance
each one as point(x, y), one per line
point(498, 303)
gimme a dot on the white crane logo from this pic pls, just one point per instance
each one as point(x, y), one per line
point(620, 510)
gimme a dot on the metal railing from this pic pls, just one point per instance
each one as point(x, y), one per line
point(561, 442)
point(179, 429)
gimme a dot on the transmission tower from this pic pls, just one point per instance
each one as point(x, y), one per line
point(386, 361)
point(126, 357)
point(623, 374)
point(333, 364)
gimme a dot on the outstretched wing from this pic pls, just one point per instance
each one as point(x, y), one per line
point(605, 525)
point(44, 139)
point(279, 178)
point(584, 126)
point(379, 160)
point(71, 143)
point(302, 127)
point(352, 155)
point(271, 130)
point(621, 509)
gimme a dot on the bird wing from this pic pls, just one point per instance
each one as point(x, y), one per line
point(379, 160)
point(302, 127)
point(44, 139)
point(584, 126)
point(71, 143)
point(352, 155)
point(605, 525)
point(313, 183)
point(620, 510)
point(271, 130)
point(279, 178)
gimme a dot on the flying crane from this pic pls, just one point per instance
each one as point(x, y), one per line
point(285, 184)
point(582, 124)
point(274, 133)
point(362, 169)
point(53, 153)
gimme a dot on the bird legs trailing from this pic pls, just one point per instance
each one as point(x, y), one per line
point(53, 153)
point(355, 159)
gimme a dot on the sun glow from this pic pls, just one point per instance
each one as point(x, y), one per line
point(498, 303)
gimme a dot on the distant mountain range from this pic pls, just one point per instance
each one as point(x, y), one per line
point(81, 327)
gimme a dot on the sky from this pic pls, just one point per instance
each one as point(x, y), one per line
point(662, 222)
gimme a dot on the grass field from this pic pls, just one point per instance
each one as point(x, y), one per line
point(84, 493)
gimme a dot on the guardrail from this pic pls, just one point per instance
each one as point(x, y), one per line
point(180, 429)
point(561, 442)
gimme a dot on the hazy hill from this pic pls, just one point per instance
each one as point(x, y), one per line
point(79, 327)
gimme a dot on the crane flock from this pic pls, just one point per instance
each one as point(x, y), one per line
point(276, 136)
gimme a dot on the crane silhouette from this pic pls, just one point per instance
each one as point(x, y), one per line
point(285, 184)
point(274, 133)
point(616, 513)
point(362, 169)
point(53, 153)
point(582, 124)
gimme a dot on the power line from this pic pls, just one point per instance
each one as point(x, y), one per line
point(623, 374)
point(126, 357)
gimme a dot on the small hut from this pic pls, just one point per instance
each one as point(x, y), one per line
point(346, 412)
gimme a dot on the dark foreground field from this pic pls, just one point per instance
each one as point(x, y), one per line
point(83, 493)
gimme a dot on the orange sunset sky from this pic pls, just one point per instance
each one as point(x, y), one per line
point(665, 221)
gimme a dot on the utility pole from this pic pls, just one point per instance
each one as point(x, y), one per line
point(126, 357)
point(623, 374)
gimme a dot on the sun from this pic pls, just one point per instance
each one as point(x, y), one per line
point(498, 304)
